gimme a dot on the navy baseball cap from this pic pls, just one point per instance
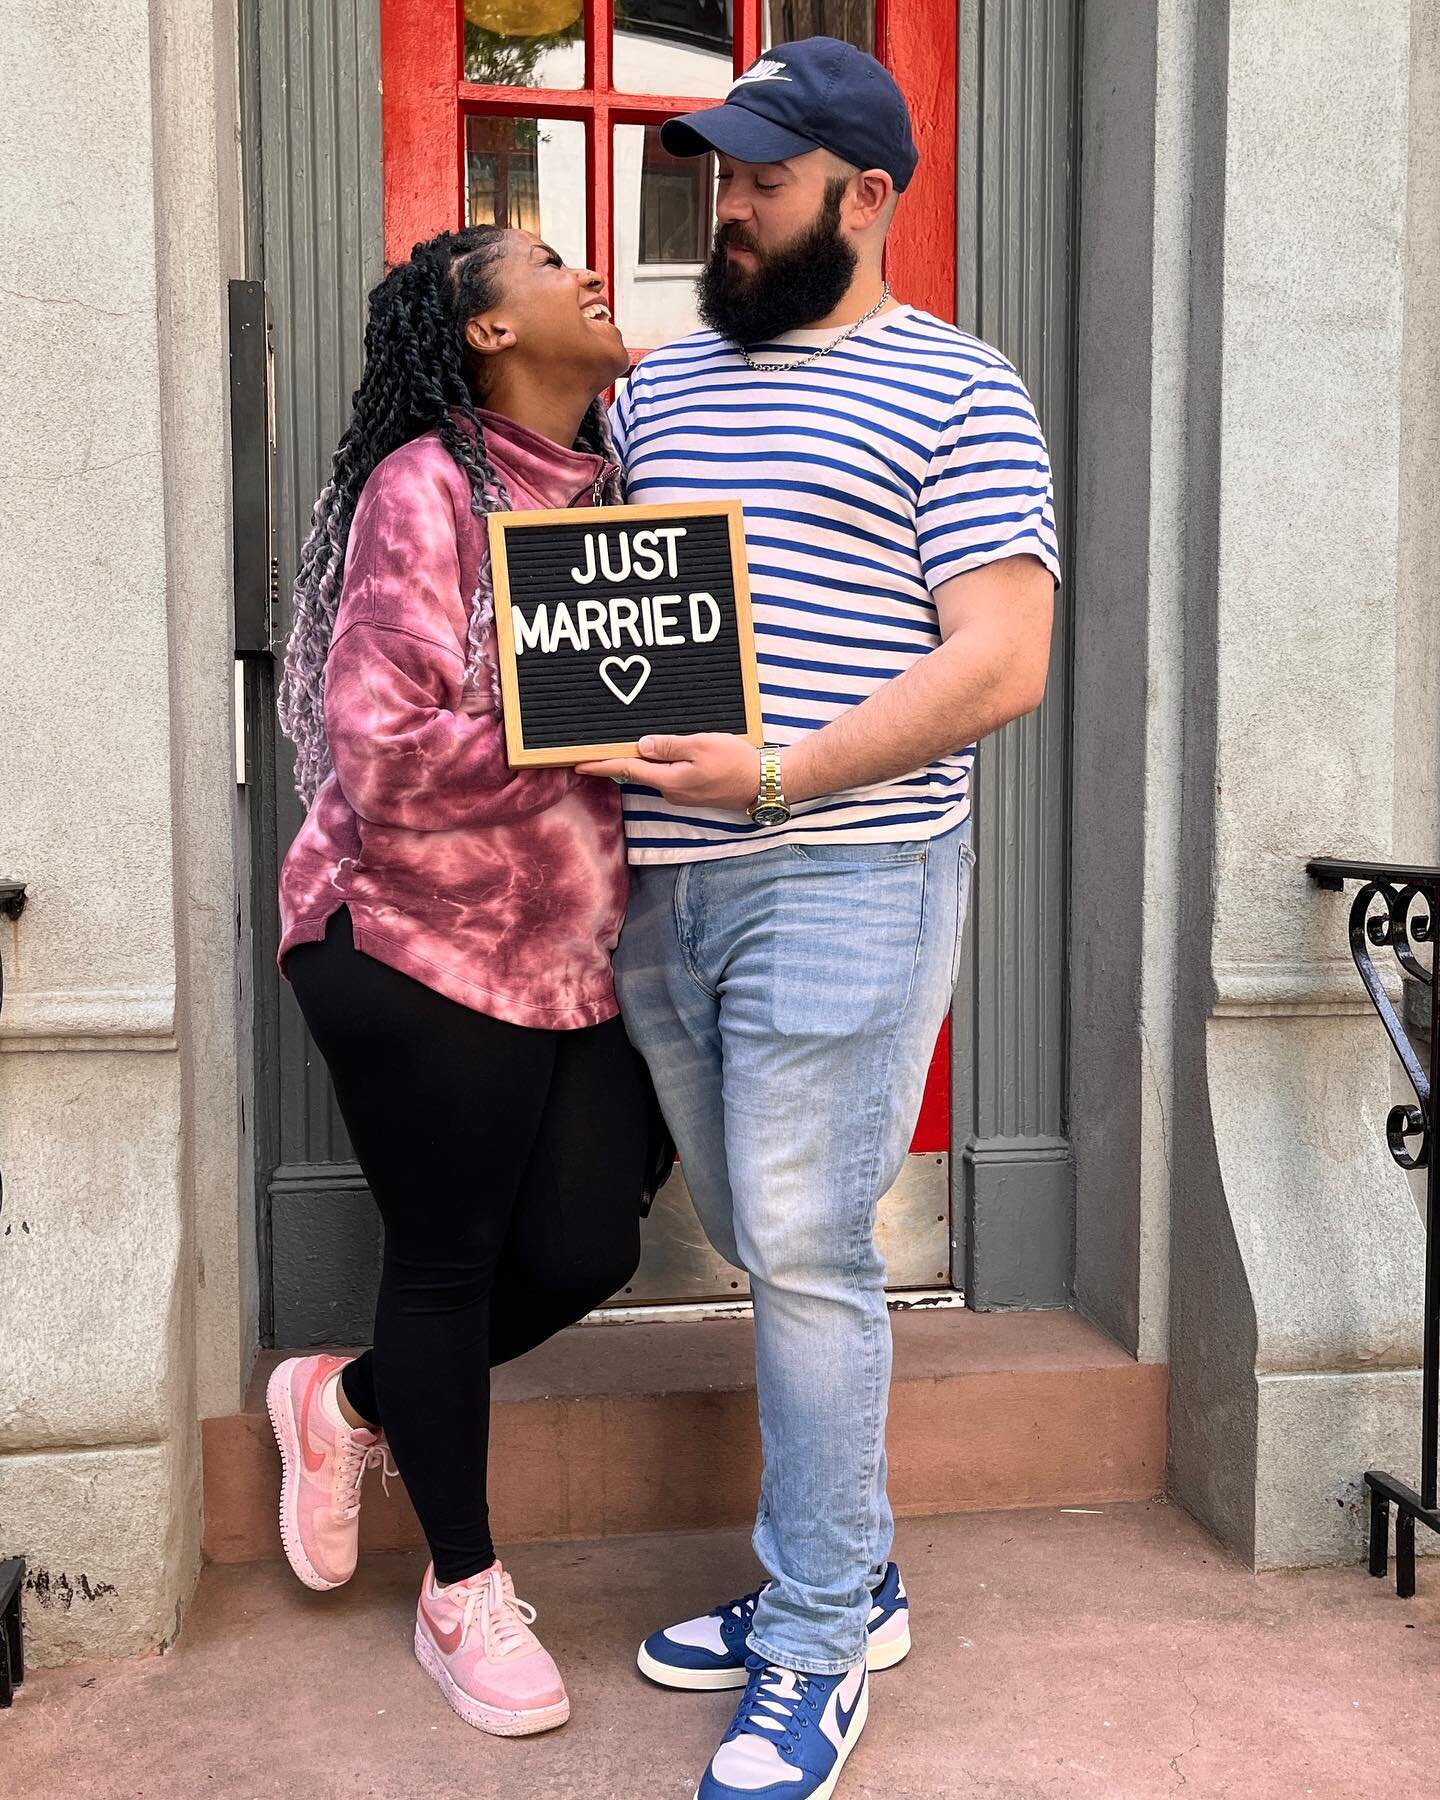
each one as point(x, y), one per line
point(816, 94)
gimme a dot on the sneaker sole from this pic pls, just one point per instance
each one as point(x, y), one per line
point(878, 1658)
point(498, 1721)
point(280, 1406)
point(857, 1725)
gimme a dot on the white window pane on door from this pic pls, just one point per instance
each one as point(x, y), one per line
point(525, 43)
point(664, 215)
point(673, 47)
point(530, 174)
point(853, 21)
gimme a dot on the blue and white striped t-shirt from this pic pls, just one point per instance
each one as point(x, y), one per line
point(908, 455)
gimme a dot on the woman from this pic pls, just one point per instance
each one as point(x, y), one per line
point(447, 925)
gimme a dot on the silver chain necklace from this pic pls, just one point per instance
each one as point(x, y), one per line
point(775, 368)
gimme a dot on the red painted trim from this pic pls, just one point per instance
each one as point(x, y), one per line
point(747, 34)
point(421, 66)
point(932, 1128)
point(922, 56)
point(574, 103)
point(599, 48)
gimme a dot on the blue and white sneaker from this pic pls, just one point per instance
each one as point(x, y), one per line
point(711, 1653)
point(790, 1735)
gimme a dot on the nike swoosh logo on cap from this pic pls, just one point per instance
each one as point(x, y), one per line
point(762, 71)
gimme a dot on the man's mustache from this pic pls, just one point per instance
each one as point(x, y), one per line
point(735, 237)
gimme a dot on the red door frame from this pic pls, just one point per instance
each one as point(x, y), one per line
point(425, 103)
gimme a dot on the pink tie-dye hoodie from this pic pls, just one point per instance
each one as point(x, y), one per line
point(503, 889)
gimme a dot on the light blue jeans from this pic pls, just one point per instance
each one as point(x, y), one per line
point(788, 1003)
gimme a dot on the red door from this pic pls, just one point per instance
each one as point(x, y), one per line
point(546, 114)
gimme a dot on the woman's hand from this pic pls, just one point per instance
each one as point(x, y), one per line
point(710, 768)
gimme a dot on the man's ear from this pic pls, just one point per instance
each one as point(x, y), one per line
point(870, 199)
point(487, 336)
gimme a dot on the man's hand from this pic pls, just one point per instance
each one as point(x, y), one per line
point(710, 768)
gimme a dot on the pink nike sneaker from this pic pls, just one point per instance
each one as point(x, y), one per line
point(475, 1639)
point(323, 1462)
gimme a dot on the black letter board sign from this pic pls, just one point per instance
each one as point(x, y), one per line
point(615, 622)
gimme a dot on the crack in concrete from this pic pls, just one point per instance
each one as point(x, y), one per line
point(1181, 1778)
point(1152, 1072)
point(85, 306)
point(85, 468)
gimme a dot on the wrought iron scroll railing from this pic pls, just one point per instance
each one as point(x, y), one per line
point(1396, 909)
point(12, 1572)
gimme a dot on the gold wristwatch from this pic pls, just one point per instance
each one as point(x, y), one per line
point(769, 807)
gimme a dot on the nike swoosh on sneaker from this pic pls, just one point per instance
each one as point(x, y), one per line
point(314, 1459)
point(843, 1718)
point(448, 1641)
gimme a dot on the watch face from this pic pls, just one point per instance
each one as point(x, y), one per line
point(771, 815)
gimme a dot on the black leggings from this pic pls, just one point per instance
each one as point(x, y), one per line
point(507, 1164)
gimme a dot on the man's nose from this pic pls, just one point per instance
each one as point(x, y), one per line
point(730, 209)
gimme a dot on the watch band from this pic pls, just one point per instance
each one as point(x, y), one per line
point(771, 792)
point(770, 807)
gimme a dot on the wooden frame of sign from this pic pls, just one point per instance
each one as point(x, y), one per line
point(599, 610)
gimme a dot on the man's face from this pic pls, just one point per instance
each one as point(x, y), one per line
point(781, 257)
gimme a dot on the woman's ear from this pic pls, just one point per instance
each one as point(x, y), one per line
point(486, 335)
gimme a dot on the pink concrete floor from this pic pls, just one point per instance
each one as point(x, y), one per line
point(1059, 1655)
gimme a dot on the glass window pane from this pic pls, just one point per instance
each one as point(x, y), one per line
point(664, 214)
point(851, 20)
point(525, 43)
point(673, 47)
point(530, 174)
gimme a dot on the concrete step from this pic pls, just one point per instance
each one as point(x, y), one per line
point(613, 1430)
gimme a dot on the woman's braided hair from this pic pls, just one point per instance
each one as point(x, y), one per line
point(417, 378)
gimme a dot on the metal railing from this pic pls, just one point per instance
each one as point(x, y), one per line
point(1397, 908)
point(12, 1573)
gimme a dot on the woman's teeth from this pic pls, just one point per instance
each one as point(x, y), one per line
point(597, 309)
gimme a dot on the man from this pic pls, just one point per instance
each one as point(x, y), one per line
point(792, 944)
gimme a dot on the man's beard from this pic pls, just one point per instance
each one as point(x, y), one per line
point(788, 288)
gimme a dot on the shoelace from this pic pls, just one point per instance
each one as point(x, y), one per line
point(504, 1620)
point(773, 1704)
point(350, 1466)
point(742, 1609)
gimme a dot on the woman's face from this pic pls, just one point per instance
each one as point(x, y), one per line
point(549, 319)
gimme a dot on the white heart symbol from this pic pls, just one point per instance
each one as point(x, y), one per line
point(614, 665)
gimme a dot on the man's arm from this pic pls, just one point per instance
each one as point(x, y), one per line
point(989, 668)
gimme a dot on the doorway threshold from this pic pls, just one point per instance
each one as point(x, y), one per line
point(659, 1312)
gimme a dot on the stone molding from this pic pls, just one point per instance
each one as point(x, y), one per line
point(74, 1019)
point(1326, 988)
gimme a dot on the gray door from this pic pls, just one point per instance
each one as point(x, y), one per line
point(995, 1219)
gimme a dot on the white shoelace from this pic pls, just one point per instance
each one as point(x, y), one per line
point(504, 1620)
point(350, 1466)
point(776, 1699)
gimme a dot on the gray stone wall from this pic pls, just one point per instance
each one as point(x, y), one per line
point(1417, 624)
point(118, 1083)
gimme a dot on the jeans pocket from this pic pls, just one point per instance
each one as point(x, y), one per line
point(962, 906)
point(860, 856)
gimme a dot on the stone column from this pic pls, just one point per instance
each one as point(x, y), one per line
point(118, 1083)
point(1296, 1248)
